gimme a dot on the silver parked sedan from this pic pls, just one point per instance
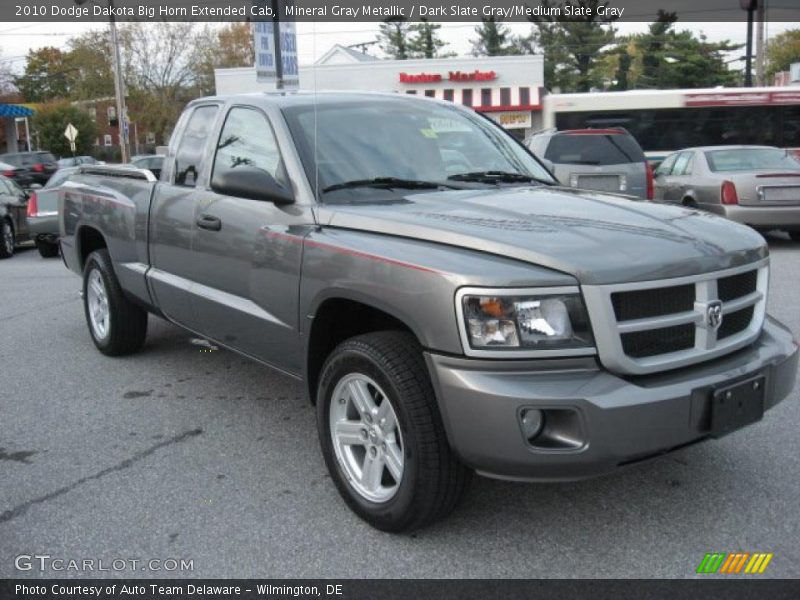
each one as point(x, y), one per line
point(755, 185)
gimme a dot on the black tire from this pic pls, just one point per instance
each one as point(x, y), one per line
point(6, 230)
point(47, 249)
point(433, 478)
point(127, 322)
point(794, 235)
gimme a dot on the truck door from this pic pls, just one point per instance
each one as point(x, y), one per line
point(249, 251)
point(172, 225)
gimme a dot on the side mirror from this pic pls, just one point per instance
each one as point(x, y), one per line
point(250, 182)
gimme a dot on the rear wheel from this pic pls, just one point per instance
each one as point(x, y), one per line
point(382, 436)
point(47, 249)
point(6, 239)
point(117, 325)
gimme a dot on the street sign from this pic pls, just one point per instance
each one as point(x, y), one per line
point(71, 133)
point(72, 147)
point(275, 43)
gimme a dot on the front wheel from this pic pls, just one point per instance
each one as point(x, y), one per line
point(382, 436)
point(6, 239)
point(117, 325)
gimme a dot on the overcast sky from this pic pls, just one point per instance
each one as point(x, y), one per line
point(314, 39)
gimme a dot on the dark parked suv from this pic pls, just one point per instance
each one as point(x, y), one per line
point(605, 160)
point(39, 166)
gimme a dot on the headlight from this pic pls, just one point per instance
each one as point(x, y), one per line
point(528, 321)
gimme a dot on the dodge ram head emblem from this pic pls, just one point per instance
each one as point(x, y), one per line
point(714, 314)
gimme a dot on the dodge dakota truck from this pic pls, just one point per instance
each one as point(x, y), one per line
point(449, 307)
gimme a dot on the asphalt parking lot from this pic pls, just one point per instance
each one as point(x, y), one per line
point(184, 453)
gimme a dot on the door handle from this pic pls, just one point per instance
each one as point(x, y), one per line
point(209, 222)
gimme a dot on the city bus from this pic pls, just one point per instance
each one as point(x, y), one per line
point(663, 121)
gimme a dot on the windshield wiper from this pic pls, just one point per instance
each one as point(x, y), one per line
point(388, 182)
point(496, 177)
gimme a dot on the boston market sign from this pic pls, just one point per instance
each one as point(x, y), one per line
point(451, 76)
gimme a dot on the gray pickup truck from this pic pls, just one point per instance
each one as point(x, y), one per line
point(449, 307)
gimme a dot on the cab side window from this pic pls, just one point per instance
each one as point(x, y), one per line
point(247, 140)
point(189, 157)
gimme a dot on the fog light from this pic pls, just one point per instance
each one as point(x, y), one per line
point(532, 423)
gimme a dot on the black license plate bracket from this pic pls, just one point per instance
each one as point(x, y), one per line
point(737, 405)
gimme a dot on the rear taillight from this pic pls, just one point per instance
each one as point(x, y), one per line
point(650, 191)
point(38, 167)
point(8, 173)
point(33, 205)
point(727, 193)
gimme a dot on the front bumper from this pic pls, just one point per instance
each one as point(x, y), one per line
point(620, 420)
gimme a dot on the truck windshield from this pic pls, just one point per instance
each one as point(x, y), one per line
point(404, 140)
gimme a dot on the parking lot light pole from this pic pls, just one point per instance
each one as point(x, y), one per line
point(750, 6)
point(119, 83)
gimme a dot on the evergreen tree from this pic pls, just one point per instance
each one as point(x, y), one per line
point(393, 38)
point(494, 39)
point(425, 42)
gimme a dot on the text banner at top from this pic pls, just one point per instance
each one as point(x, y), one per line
point(379, 10)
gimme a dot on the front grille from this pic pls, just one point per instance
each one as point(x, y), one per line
point(655, 302)
point(652, 342)
point(654, 326)
point(736, 286)
point(735, 322)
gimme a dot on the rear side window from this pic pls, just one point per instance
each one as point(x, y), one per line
point(666, 166)
point(44, 157)
point(683, 164)
point(189, 157)
point(59, 177)
point(594, 149)
point(247, 140)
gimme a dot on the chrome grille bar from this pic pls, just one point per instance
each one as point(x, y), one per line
point(609, 331)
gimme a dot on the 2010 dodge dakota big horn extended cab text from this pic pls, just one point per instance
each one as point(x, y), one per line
point(449, 307)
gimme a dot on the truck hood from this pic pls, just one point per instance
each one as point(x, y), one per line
point(597, 238)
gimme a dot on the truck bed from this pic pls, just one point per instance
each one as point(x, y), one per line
point(84, 202)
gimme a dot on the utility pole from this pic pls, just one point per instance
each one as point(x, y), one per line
point(119, 83)
point(750, 7)
point(760, 48)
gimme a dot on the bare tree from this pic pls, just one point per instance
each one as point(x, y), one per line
point(158, 69)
